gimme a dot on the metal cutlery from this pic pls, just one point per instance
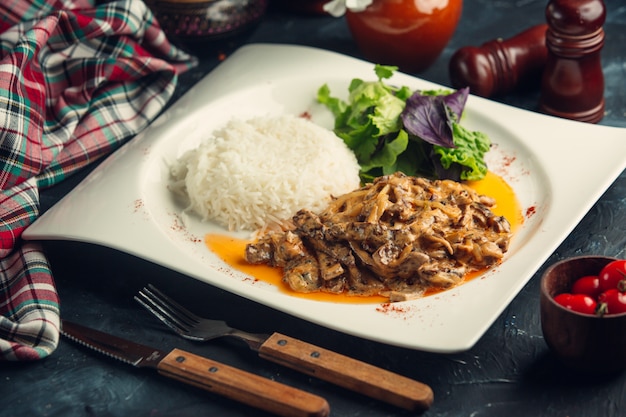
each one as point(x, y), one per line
point(296, 354)
point(204, 373)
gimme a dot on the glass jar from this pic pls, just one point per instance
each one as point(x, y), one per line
point(410, 34)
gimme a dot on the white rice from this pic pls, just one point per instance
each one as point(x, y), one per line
point(253, 173)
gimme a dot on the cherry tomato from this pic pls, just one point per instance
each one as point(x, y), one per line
point(613, 275)
point(588, 285)
point(612, 302)
point(580, 303)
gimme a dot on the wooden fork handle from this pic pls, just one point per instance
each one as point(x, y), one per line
point(242, 386)
point(347, 372)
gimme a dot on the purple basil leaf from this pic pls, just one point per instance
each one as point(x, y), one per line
point(456, 101)
point(427, 118)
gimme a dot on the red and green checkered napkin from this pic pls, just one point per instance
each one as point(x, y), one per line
point(76, 81)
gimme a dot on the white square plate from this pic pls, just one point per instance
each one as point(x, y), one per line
point(558, 169)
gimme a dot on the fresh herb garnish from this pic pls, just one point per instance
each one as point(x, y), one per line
point(394, 129)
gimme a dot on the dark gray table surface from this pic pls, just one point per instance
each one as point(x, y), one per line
point(509, 372)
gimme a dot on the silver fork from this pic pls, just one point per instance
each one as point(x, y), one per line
point(296, 354)
point(189, 325)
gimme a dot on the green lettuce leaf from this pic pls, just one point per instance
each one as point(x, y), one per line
point(469, 153)
point(370, 123)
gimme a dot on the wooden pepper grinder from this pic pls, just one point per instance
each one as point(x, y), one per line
point(573, 83)
point(501, 65)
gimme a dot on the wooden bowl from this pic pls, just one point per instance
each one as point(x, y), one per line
point(197, 21)
point(583, 342)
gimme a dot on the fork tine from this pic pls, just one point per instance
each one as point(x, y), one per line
point(162, 315)
point(189, 325)
point(168, 315)
point(168, 303)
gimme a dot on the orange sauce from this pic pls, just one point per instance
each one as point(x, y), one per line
point(507, 204)
point(231, 250)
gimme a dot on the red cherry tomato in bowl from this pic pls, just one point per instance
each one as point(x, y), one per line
point(613, 275)
point(612, 302)
point(588, 285)
point(581, 303)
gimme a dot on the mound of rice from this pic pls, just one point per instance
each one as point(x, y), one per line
point(255, 172)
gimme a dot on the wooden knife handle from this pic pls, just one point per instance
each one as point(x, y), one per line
point(242, 386)
point(347, 372)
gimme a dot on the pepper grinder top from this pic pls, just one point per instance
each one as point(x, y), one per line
point(501, 65)
point(573, 82)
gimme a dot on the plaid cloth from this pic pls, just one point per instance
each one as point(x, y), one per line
point(76, 80)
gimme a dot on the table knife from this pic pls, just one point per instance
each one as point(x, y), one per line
point(204, 373)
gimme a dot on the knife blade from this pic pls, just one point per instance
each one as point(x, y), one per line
point(204, 373)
